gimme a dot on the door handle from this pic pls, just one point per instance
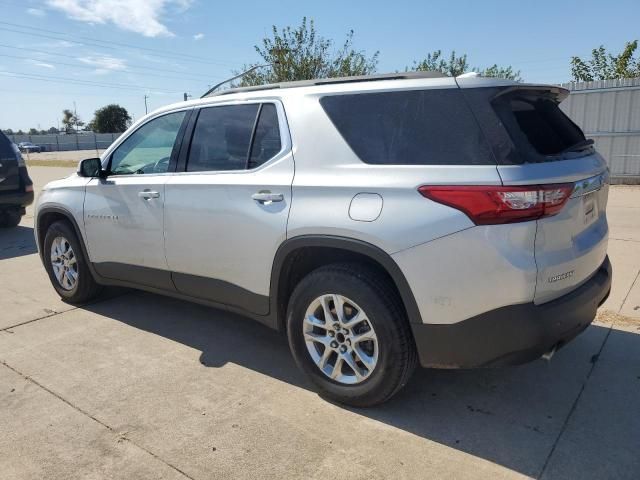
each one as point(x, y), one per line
point(148, 194)
point(266, 198)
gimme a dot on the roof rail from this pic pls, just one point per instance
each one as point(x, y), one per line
point(329, 81)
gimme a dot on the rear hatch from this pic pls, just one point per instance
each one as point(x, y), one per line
point(9, 172)
point(535, 143)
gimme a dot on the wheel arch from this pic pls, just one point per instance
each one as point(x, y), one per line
point(298, 256)
point(50, 214)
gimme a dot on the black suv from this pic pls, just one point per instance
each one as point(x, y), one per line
point(16, 188)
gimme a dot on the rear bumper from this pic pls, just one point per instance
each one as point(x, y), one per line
point(19, 197)
point(514, 334)
point(16, 198)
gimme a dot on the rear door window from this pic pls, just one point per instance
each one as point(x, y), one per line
point(416, 127)
point(222, 138)
point(266, 141)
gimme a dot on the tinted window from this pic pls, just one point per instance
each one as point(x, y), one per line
point(536, 125)
point(6, 150)
point(148, 149)
point(420, 127)
point(266, 143)
point(222, 138)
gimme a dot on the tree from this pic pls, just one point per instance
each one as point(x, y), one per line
point(71, 121)
point(8, 131)
point(495, 71)
point(52, 130)
point(67, 120)
point(301, 54)
point(435, 62)
point(605, 66)
point(110, 119)
point(33, 131)
point(20, 132)
point(457, 65)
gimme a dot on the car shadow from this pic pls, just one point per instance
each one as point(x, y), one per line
point(509, 416)
point(16, 242)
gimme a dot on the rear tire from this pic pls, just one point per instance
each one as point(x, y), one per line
point(361, 304)
point(66, 265)
point(10, 218)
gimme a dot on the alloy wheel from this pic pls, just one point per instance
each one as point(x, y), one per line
point(64, 263)
point(340, 339)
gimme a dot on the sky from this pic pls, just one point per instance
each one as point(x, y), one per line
point(96, 52)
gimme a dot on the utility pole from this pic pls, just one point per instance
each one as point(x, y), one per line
point(145, 104)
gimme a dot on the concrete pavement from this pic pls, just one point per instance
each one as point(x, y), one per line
point(140, 386)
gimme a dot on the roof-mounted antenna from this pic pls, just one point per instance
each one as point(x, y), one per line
point(218, 85)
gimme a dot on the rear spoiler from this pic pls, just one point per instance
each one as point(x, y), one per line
point(509, 86)
point(556, 93)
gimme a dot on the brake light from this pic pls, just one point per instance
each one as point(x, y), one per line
point(490, 205)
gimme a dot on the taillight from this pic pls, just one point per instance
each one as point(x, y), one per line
point(489, 205)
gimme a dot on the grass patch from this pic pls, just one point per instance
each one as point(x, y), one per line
point(52, 163)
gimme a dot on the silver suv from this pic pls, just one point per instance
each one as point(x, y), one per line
point(378, 221)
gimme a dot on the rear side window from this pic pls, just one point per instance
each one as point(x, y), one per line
point(222, 138)
point(418, 127)
point(537, 126)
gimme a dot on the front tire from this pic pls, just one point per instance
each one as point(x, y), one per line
point(348, 332)
point(66, 265)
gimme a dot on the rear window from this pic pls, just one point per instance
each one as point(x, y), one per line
point(538, 128)
point(417, 127)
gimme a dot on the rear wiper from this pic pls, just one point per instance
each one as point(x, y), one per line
point(577, 147)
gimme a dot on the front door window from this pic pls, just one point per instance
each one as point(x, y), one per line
point(148, 149)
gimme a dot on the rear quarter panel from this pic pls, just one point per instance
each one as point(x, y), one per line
point(328, 175)
point(472, 271)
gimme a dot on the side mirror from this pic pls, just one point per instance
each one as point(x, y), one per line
point(90, 167)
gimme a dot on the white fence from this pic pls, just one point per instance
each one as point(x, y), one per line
point(68, 142)
point(609, 112)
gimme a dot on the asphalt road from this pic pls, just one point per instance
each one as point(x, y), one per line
point(141, 386)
